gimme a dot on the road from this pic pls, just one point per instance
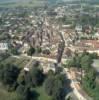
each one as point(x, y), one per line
point(40, 58)
point(75, 86)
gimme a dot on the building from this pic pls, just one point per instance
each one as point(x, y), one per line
point(96, 65)
point(91, 46)
point(78, 28)
point(3, 46)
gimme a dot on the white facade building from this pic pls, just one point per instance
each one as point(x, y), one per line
point(3, 46)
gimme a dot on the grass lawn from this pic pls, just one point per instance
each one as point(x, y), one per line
point(4, 95)
point(42, 94)
point(21, 62)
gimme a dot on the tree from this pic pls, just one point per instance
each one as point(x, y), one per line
point(1, 71)
point(50, 73)
point(58, 69)
point(21, 78)
point(96, 92)
point(15, 96)
point(46, 52)
point(68, 52)
point(31, 51)
point(78, 60)
point(14, 51)
point(54, 86)
point(94, 56)
point(10, 74)
point(28, 79)
point(58, 90)
point(27, 93)
point(89, 79)
point(86, 62)
point(48, 85)
point(69, 98)
point(71, 63)
point(37, 76)
point(38, 50)
point(61, 77)
point(58, 93)
point(20, 89)
point(36, 64)
point(24, 92)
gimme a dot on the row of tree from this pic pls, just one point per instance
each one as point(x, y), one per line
point(22, 82)
point(19, 81)
point(38, 50)
point(8, 75)
point(54, 86)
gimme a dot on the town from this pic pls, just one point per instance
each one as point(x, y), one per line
point(50, 51)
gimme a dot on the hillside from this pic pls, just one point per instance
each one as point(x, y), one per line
point(23, 3)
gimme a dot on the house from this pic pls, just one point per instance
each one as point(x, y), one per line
point(96, 64)
point(78, 28)
point(96, 35)
point(3, 46)
point(24, 48)
point(91, 46)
